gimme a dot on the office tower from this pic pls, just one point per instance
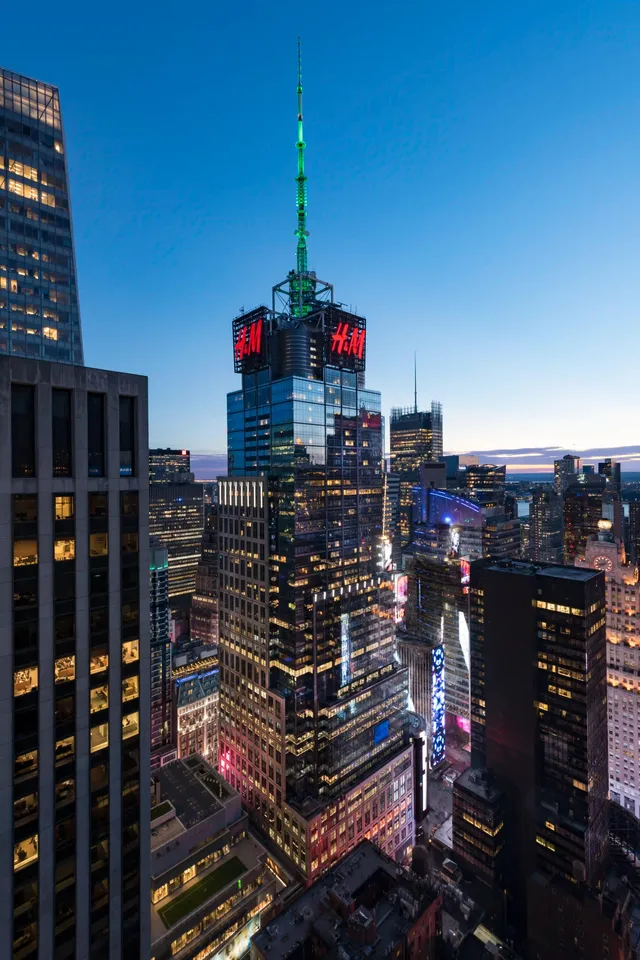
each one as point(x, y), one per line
point(195, 704)
point(610, 469)
point(364, 907)
point(535, 799)
point(39, 311)
point(416, 437)
point(176, 517)
point(204, 606)
point(564, 472)
point(448, 535)
point(583, 504)
point(160, 646)
point(484, 481)
point(454, 465)
point(212, 881)
point(313, 725)
point(75, 700)
point(546, 543)
point(166, 465)
point(634, 531)
point(623, 663)
point(501, 538)
point(391, 550)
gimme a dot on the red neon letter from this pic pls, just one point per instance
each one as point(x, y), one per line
point(240, 343)
point(356, 344)
point(339, 338)
point(255, 336)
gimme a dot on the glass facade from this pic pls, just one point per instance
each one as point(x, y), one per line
point(39, 312)
point(307, 628)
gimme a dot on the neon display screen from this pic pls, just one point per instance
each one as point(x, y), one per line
point(437, 706)
point(381, 731)
point(348, 340)
point(250, 341)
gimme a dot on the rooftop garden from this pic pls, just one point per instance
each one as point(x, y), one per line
point(201, 891)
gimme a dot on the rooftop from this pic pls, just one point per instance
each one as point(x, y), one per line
point(194, 788)
point(477, 781)
point(196, 687)
point(361, 908)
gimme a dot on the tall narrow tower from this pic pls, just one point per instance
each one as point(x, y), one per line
point(313, 723)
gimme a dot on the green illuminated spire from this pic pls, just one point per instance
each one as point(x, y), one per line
point(301, 193)
point(302, 284)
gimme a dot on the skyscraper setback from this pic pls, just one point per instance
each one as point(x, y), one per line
point(416, 438)
point(313, 725)
point(39, 313)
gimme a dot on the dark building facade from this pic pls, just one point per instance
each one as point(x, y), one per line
point(538, 724)
point(160, 643)
point(546, 543)
point(176, 517)
point(39, 312)
point(74, 636)
point(204, 606)
point(583, 510)
point(416, 438)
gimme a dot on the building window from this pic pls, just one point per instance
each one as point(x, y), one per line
point(25, 553)
point(95, 433)
point(65, 669)
point(65, 749)
point(64, 548)
point(127, 436)
point(24, 681)
point(98, 544)
point(61, 432)
point(99, 737)
point(100, 663)
point(130, 688)
point(63, 507)
point(99, 698)
point(130, 725)
point(130, 651)
point(23, 431)
point(25, 852)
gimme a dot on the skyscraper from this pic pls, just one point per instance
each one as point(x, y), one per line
point(545, 526)
point(538, 728)
point(564, 472)
point(74, 636)
point(610, 469)
point(204, 606)
point(416, 438)
point(39, 312)
point(313, 728)
point(623, 663)
point(583, 510)
point(160, 646)
point(176, 517)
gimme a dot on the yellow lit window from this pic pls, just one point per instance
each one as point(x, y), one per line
point(130, 688)
point(47, 198)
point(25, 552)
point(57, 146)
point(65, 749)
point(63, 507)
point(25, 680)
point(3, 283)
point(99, 737)
point(50, 333)
point(99, 663)
point(25, 808)
point(579, 784)
point(64, 548)
point(23, 170)
point(2, 183)
point(25, 852)
point(26, 764)
point(159, 893)
point(130, 651)
point(130, 725)
point(189, 873)
point(98, 544)
point(65, 669)
point(99, 698)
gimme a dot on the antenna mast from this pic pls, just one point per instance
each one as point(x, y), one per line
point(415, 383)
point(302, 284)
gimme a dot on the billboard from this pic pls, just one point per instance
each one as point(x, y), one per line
point(346, 339)
point(250, 341)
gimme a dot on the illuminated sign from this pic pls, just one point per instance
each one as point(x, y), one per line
point(465, 571)
point(381, 731)
point(345, 649)
point(348, 340)
point(249, 341)
point(437, 706)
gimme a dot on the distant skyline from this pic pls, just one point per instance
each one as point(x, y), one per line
point(207, 466)
point(472, 191)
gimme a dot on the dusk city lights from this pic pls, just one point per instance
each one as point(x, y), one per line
point(320, 482)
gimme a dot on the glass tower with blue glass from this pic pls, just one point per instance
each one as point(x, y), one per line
point(305, 423)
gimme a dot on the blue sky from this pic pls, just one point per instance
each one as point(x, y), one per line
point(473, 190)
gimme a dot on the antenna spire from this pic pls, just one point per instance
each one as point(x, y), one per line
point(415, 382)
point(301, 180)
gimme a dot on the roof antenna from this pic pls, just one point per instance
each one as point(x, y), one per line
point(415, 382)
